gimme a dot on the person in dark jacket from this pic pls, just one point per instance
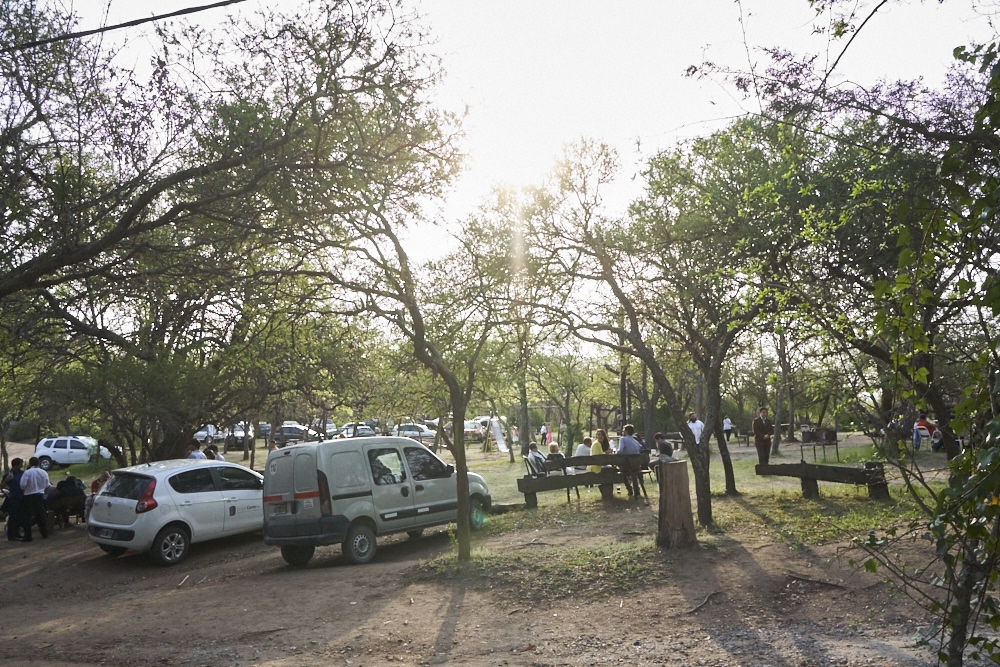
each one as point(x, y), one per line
point(763, 431)
point(15, 501)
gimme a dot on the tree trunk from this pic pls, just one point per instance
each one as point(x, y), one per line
point(782, 352)
point(727, 461)
point(462, 531)
point(523, 424)
point(675, 528)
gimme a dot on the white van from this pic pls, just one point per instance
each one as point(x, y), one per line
point(351, 490)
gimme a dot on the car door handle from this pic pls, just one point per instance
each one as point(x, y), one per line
point(405, 491)
point(419, 487)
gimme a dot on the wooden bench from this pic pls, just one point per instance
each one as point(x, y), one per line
point(872, 476)
point(59, 510)
point(605, 480)
point(823, 437)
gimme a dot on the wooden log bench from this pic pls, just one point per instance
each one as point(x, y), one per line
point(59, 510)
point(604, 480)
point(872, 476)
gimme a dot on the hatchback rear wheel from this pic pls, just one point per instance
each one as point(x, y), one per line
point(171, 545)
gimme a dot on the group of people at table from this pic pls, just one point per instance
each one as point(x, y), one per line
point(629, 444)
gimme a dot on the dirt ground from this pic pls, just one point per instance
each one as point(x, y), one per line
point(235, 602)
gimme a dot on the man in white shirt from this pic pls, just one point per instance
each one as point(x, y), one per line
point(34, 481)
point(727, 427)
point(195, 452)
point(696, 426)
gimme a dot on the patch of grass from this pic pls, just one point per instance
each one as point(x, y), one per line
point(85, 471)
point(560, 571)
point(787, 516)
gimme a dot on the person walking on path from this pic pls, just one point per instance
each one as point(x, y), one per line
point(763, 430)
point(696, 426)
point(34, 481)
point(727, 427)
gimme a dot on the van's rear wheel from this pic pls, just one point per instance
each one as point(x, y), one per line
point(297, 555)
point(360, 545)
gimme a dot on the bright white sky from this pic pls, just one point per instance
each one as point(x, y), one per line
point(537, 74)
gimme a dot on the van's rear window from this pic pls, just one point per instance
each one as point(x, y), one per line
point(124, 485)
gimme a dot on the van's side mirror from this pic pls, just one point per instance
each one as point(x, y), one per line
point(450, 469)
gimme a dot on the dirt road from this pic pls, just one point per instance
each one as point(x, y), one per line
point(235, 602)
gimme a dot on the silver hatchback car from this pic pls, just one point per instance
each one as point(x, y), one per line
point(195, 500)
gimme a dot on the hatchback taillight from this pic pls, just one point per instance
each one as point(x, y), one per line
point(146, 501)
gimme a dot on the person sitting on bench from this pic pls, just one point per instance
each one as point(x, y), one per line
point(583, 449)
point(628, 445)
point(602, 445)
point(555, 455)
point(535, 459)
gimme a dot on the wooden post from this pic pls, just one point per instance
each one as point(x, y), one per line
point(607, 491)
point(531, 501)
point(676, 526)
point(878, 489)
point(810, 488)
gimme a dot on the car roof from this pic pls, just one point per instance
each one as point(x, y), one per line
point(85, 438)
point(172, 465)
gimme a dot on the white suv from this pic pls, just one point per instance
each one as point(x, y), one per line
point(195, 500)
point(67, 450)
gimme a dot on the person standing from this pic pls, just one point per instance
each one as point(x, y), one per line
point(195, 452)
point(34, 481)
point(15, 500)
point(629, 446)
point(762, 429)
point(543, 431)
point(696, 426)
point(727, 427)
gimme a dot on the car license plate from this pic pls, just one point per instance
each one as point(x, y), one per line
point(107, 533)
point(280, 509)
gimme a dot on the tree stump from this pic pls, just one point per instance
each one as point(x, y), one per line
point(676, 525)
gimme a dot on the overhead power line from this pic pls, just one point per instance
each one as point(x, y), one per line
point(109, 28)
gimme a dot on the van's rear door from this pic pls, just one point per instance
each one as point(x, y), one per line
point(291, 493)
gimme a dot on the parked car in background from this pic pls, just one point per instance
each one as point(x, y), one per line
point(264, 431)
point(357, 430)
point(418, 432)
point(208, 434)
point(67, 450)
point(471, 429)
point(297, 433)
point(327, 427)
point(194, 499)
point(240, 431)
